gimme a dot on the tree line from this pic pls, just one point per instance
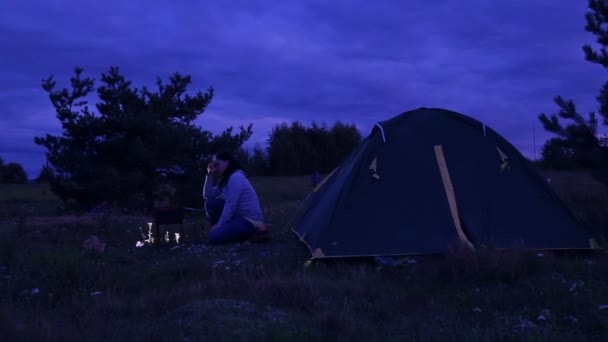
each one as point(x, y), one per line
point(12, 173)
point(137, 140)
point(295, 149)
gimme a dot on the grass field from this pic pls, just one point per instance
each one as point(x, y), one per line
point(50, 289)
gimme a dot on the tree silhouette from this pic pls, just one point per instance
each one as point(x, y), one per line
point(579, 133)
point(117, 153)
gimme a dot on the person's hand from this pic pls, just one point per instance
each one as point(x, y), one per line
point(211, 168)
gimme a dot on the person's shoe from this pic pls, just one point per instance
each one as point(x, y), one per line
point(261, 235)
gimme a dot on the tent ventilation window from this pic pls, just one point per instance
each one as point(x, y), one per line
point(382, 132)
point(504, 159)
point(373, 167)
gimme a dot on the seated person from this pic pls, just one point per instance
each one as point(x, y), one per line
point(232, 207)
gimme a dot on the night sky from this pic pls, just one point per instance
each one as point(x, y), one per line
point(501, 62)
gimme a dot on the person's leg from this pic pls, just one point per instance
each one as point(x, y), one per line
point(236, 230)
point(213, 209)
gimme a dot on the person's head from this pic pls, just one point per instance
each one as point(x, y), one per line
point(221, 162)
point(225, 164)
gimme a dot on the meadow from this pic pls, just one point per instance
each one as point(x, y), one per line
point(52, 289)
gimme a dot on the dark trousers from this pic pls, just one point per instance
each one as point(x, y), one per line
point(238, 229)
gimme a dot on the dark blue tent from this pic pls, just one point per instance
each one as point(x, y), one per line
point(426, 179)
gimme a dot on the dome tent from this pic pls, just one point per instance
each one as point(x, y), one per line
point(428, 178)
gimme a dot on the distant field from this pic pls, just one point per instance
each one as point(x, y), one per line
point(580, 181)
point(30, 191)
point(52, 290)
point(274, 189)
point(587, 198)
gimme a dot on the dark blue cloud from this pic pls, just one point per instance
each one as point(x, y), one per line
point(356, 61)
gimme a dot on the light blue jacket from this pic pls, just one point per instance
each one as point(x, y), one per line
point(241, 199)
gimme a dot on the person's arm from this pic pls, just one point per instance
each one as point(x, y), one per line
point(234, 188)
point(210, 191)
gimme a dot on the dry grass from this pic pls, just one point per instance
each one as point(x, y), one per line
point(52, 290)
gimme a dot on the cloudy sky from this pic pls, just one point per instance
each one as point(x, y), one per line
point(358, 61)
